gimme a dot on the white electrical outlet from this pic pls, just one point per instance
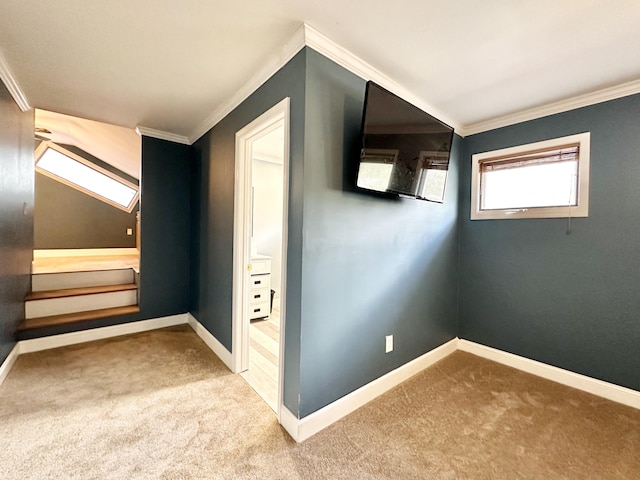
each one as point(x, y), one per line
point(388, 344)
point(129, 231)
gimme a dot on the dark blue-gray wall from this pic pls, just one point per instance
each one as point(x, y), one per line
point(569, 300)
point(68, 218)
point(359, 267)
point(362, 266)
point(16, 215)
point(371, 266)
point(212, 215)
point(164, 237)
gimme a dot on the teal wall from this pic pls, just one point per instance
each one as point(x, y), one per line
point(359, 266)
point(572, 301)
point(212, 216)
point(371, 266)
point(16, 223)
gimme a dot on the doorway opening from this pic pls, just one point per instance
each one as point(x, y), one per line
point(260, 251)
point(86, 257)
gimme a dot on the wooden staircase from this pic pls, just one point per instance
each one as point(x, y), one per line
point(72, 297)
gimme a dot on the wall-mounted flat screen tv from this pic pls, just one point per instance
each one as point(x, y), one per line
point(405, 151)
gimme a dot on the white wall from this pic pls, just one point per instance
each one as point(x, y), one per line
point(267, 178)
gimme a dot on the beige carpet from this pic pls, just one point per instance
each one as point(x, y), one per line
point(161, 405)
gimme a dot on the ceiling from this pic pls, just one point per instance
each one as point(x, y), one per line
point(118, 146)
point(171, 65)
point(270, 146)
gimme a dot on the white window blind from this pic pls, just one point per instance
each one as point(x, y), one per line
point(537, 179)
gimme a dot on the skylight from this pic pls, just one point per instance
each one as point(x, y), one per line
point(74, 171)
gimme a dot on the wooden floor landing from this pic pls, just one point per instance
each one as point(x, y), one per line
point(85, 263)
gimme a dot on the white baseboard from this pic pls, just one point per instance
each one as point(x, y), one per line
point(301, 429)
point(73, 338)
point(289, 422)
point(5, 368)
point(600, 388)
point(212, 342)
point(64, 339)
point(319, 420)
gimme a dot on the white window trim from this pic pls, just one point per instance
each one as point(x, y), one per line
point(423, 159)
point(579, 210)
point(42, 148)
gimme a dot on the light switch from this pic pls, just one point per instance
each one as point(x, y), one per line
point(129, 231)
point(388, 344)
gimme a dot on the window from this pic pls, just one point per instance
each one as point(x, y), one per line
point(432, 175)
point(540, 180)
point(76, 172)
point(376, 167)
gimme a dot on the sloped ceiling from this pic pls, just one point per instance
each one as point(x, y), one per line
point(118, 146)
point(168, 65)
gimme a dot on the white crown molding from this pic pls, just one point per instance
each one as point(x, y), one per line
point(599, 96)
point(274, 63)
point(359, 67)
point(12, 85)
point(308, 36)
point(161, 135)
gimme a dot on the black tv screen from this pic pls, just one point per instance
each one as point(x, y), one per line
point(405, 150)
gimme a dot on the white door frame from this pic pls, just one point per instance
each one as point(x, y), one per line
point(273, 118)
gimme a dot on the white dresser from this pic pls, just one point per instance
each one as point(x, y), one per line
point(260, 287)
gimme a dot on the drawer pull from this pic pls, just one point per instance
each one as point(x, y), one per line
point(257, 282)
point(257, 296)
point(255, 310)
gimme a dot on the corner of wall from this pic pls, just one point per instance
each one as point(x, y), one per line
point(7, 364)
point(212, 342)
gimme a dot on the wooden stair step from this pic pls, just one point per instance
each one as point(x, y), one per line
point(92, 270)
point(40, 322)
point(75, 292)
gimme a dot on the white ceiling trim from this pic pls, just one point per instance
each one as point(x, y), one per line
point(309, 36)
point(359, 67)
point(306, 35)
point(172, 137)
point(599, 96)
point(11, 84)
point(274, 63)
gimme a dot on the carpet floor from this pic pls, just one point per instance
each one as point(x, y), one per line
point(160, 405)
